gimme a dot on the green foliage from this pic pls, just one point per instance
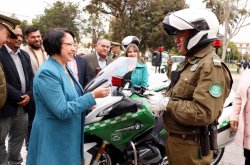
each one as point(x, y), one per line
point(60, 15)
point(234, 53)
point(233, 12)
point(23, 24)
point(142, 18)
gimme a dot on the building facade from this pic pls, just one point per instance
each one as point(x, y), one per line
point(244, 49)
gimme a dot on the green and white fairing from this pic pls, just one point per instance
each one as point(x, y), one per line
point(118, 130)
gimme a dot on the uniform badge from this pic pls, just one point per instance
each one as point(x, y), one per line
point(194, 67)
point(215, 89)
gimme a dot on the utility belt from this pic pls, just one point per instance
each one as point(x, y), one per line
point(193, 137)
point(206, 137)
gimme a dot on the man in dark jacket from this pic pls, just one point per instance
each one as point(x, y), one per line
point(6, 30)
point(99, 59)
point(13, 116)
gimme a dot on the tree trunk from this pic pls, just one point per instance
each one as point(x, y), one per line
point(226, 29)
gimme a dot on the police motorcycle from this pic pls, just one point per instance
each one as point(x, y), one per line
point(121, 129)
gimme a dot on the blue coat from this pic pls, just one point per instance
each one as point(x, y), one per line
point(139, 75)
point(57, 130)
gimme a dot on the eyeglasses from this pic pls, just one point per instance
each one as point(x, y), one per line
point(104, 46)
point(70, 44)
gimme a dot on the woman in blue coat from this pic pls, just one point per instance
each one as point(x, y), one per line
point(57, 130)
point(139, 76)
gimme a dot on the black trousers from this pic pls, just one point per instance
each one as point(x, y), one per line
point(247, 156)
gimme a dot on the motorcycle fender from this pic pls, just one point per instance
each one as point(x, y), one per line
point(225, 134)
point(87, 155)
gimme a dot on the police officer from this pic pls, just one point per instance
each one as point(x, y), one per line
point(198, 89)
point(115, 50)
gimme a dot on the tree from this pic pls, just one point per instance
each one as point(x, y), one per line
point(233, 54)
point(233, 15)
point(142, 18)
point(94, 26)
point(59, 15)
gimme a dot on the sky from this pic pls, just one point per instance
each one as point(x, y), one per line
point(29, 9)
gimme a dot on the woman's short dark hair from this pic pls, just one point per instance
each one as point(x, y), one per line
point(52, 41)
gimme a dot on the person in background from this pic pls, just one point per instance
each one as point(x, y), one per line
point(6, 31)
point(169, 67)
point(139, 76)
point(240, 116)
point(13, 116)
point(34, 47)
point(99, 59)
point(198, 89)
point(130, 40)
point(57, 131)
point(78, 65)
point(3, 91)
point(38, 56)
point(115, 50)
point(245, 65)
point(7, 26)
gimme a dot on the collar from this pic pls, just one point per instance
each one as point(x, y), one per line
point(200, 54)
point(10, 51)
point(58, 65)
point(140, 65)
point(99, 58)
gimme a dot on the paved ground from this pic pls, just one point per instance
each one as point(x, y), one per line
point(24, 154)
point(233, 154)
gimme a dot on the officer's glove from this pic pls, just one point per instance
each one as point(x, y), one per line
point(158, 103)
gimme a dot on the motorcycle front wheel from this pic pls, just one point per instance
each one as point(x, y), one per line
point(217, 155)
point(105, 159)
point(164, 161)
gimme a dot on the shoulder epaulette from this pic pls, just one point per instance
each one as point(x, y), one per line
point(216, 60)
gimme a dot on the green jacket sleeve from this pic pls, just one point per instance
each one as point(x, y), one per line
point(3, 91)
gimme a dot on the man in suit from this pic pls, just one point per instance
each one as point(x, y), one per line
point(13, 116)
point(6, 31)
point(99, 59)
point(78, 65)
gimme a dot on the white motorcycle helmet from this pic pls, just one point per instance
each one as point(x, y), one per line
point(129, 40)
point(203, 23)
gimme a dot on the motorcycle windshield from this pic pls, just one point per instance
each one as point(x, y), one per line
point(119, 67)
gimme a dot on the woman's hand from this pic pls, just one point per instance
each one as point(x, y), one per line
point(234, 125)
point(101, 92)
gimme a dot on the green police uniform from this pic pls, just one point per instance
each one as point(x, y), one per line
point(3, 89)
point(195, 100)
